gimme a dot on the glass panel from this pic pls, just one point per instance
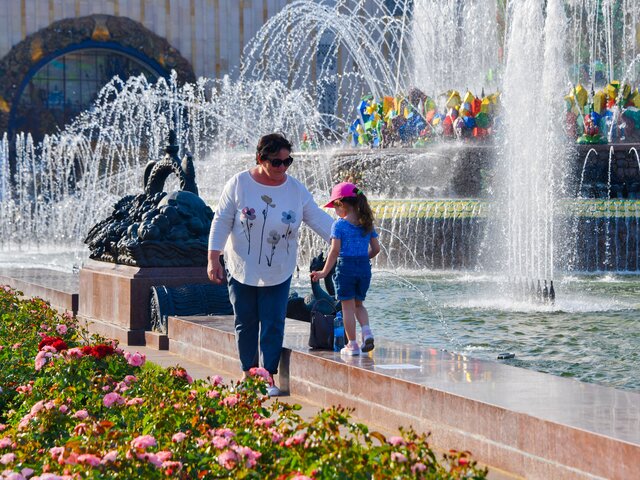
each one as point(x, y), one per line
point(68, 85)
point(72, 64)
point(55, 95)
point(89, 91)
point(55, 69)
point(88, 68)
point(72, 95)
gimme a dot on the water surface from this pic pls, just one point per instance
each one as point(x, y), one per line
point(592, 333)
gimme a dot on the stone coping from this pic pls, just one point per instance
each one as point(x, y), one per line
point(60, 289)
point(525, 422)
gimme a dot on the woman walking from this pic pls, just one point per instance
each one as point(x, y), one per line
point(256, 225)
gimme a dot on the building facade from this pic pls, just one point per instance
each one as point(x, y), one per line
point(55, 55)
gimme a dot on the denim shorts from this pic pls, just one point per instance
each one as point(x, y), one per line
point(352, 278)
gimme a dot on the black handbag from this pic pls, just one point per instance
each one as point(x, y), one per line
point(321, 331)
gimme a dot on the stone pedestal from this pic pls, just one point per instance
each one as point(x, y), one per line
point(114, 299)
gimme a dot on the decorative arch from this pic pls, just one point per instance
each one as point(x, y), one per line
point(119, 34)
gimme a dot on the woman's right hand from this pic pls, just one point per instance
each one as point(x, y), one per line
point(215, 271)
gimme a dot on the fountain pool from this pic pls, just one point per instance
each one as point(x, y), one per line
point(590, 334)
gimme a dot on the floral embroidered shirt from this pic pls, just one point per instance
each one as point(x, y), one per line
point(257, 228)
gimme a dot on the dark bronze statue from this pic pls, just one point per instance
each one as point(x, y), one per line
point(156, 228)
point(300, 308)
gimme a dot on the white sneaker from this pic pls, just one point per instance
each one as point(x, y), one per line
point(273, 391)
point(350, 351)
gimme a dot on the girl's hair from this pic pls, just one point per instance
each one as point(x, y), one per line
point(363, 210)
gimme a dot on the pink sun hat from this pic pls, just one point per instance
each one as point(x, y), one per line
point(342, 190)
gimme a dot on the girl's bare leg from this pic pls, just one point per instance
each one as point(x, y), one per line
point(349, 318)
point(362, 315)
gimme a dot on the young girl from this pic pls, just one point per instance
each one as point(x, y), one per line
point(353, 242)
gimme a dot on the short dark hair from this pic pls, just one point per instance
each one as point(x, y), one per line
point(272, 144)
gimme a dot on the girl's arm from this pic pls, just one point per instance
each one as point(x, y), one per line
point(374, 247)
point(332, 257)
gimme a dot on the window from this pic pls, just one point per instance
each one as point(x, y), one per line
point(68, 84)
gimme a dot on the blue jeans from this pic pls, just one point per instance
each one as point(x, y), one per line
point(259, 314)
point(352, 278)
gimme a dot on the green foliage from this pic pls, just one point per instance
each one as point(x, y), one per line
point(92, 411)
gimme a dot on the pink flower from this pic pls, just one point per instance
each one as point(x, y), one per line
point(74, 352)
point(398, 457)
point(225, 432)
point(263, 373)
point(110, 457)
point(61, 329)
point(143, 441)
point(136, 359)
point(50, 405)
point(171, 464)
point(213, 394)
point(89, 459)
point(164, 455)
point(216, 380)
point(5, 442)
point(7, 458)
point(135, 401)
point(301, 477)
point(24, 389)
point(219, 442)
point(264, 422)
point(228, 459)
point(250, 456)
point(41, 359)
point(418, 467)
point(63, 409)
point(81, 414)
point(395, 441)
point(37, 407)
point(72, 459)
point(230, 401)
point(178, 437)
point(26, 472)
point(276, 436)
point(297, 439)
point(182, 373)
point(130, 379)
point(56, 451)
point(111, 398)
point(151, 458)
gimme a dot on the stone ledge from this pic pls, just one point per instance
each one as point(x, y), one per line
point(527, 423)
point(55, 287)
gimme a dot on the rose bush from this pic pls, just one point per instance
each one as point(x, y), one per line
point(76, 406)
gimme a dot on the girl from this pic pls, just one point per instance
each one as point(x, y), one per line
point(353, 242)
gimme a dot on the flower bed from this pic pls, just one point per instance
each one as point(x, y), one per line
point(76, 406)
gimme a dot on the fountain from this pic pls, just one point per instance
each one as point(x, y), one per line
point(464, 230)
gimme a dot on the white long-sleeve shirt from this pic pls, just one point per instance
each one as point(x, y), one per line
point(257, 228)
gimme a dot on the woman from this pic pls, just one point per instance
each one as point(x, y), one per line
point(256, 224)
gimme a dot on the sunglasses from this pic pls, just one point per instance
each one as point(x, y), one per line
point(277, 162)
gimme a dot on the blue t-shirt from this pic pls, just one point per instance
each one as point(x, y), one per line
point(353, 242)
